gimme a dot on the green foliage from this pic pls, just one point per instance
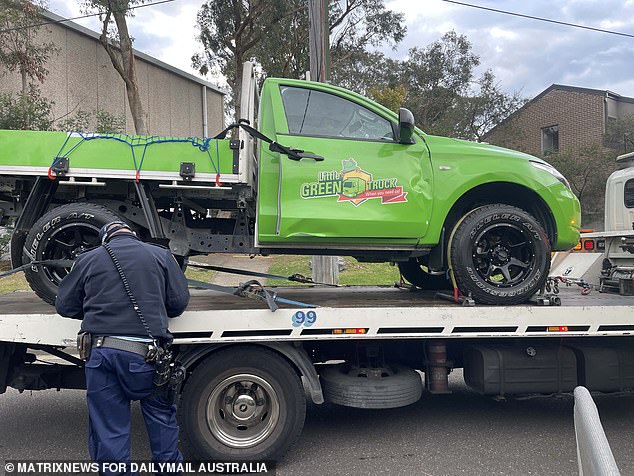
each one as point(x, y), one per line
point(78, 122)
point(30, 111)
point(587, 171)
point(392, 97)
point(81, 121)
point(21, 50)
point(274, 33)
point(473, 115)
point(108, 123)
point(619, 134)
point(437, 84)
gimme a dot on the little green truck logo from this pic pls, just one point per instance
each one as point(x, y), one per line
point(355, 185)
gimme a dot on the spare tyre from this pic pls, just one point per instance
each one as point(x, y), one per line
point(390, 387)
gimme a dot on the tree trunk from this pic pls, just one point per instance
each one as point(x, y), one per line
point(25, 84)
point(128, 63)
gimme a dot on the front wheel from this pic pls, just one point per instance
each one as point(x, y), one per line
point(245, 404)
point(500, 254)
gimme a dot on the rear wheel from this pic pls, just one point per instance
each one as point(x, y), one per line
point(244, 404)
point(62, 233)
point(500, 254)
point(414, 274)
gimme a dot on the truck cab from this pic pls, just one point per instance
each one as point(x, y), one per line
point(615, 245)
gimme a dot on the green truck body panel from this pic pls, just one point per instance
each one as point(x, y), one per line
point(367, 190)
point(113, 152)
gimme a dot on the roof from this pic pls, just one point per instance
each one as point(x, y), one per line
point(61, 21)
point(561, 87)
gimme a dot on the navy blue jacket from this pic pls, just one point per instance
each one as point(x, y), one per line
point(93, 290)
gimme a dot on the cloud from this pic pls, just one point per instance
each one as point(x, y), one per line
point(525, 55)
point(530, 55)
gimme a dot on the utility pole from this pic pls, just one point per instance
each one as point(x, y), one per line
point(325, 268)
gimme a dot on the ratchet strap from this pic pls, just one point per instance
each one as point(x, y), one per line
point(251, 289)
point(296, 278)
point(53, 263)
point(294, 154)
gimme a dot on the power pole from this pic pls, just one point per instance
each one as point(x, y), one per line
point(325, 268)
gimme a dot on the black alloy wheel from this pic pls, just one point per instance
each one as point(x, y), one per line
point(62, 233)
point(499, 254)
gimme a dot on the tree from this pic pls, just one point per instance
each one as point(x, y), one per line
point(25, 111)
point(436, 77)
point(475, 114)
point(587, 170)
point(229, 30)
point(619, 134)
point(20, 49)
point(354, 27)
point(106, 123)
point(274, 33)
point(118, 45)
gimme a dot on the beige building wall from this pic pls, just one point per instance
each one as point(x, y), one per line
point(81, 77)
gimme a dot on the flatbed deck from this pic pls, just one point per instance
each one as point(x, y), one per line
point(344, 313)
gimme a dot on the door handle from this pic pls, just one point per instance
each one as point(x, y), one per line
point(306, 155)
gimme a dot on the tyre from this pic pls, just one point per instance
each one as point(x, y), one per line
point(500, 254)
point(414, 274)
point(392, 387)
point(62, 233)
point(245, 404)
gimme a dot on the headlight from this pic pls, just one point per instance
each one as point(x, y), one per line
point(552, 171)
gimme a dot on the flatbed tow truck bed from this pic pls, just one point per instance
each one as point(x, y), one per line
point(370, 312)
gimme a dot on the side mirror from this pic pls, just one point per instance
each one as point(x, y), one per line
point(405, 126)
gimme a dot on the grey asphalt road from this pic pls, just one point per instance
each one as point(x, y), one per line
point(458, 434)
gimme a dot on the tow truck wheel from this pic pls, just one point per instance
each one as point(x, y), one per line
point(61, 233)
point(243, 404)
point(414, 274)
point(500, 254)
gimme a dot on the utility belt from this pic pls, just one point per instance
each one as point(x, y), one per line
point(160, 355)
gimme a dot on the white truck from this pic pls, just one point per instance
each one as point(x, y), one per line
point(605, 259)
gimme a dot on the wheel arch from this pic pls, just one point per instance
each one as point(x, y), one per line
point(508, 193)
point(296, 356)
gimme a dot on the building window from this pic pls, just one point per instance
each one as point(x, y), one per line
point(628, 193)
point(550, 140)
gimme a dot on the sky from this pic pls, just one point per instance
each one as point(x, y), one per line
point(525, 55)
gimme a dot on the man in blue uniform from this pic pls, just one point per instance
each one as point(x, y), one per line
point(117, 371)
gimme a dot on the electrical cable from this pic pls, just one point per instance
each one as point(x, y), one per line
point(548, 20)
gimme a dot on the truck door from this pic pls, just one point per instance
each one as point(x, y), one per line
point(368, 189)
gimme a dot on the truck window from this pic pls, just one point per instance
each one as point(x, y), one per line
point(315, 113)
point(628, 193)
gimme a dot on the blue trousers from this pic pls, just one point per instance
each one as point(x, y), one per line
point(114, 378)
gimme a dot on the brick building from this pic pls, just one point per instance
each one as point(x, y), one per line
point(561, 118)
point(81, 76)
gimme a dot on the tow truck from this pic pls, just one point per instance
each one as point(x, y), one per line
point(251, 366)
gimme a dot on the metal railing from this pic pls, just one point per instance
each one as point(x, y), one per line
point(594, 455)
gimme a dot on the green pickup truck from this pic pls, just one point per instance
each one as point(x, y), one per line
point(341, 175)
